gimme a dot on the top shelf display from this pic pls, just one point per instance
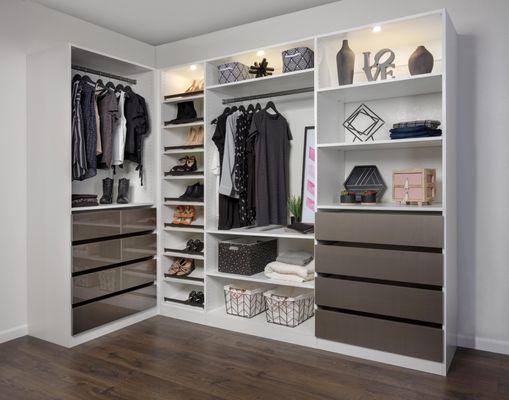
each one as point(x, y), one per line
point(394, 40)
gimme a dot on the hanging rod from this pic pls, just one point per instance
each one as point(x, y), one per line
point(267, 95)
point(104, 74)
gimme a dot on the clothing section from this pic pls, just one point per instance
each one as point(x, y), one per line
point(109, 125)
point(253, 146)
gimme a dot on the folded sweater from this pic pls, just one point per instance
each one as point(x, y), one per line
point(295, 257)
point(279, 270)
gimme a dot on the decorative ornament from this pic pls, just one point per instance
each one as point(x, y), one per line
point(380, 67)
point(363, 123)
point(261, 69)
point(421, 61)
point(345, 62)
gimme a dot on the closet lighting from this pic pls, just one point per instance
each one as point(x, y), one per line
point(377, 28)
point(260, 53)
point(193, 67)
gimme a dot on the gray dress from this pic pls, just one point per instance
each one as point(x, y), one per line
point(272, 150)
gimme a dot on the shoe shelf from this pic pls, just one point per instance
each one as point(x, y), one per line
point(183, 97)
point(278, 232)
point(183, 280)
point(111, 206)
point(182, 302)
point(194, 256)
point(186, 125)
point(184, 203)
point(183, 151)
point(261, 278)
point(184, 177)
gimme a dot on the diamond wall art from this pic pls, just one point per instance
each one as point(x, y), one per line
point(363, 123)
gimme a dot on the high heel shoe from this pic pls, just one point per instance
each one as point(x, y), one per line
point(191, 137)
point(186, 267)
point(193, 87)
point(186, 165)
point(198, 138)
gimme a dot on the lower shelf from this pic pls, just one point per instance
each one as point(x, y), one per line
point(182, 302)
point(261, 278)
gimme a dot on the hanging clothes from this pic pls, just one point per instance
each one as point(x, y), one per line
point(109, 114)
point(97, 92)
point(89, 124)
point(79, 156)
point(119, 132)
point(227, 184)
point(272, 151)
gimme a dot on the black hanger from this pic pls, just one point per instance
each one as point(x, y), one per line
point(234, 108)
point(100, 83)
point(110, 85)
point(126, 88)
point(270, 104)
point(242, 108)
point(225, 111)
point(250, 108)
point(87, 79)
point(258, 107)
point(119, 87)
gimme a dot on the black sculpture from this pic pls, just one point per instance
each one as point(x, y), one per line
point(261, 69)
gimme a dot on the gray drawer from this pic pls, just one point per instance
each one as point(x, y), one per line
point(101, 283)
point(138, 220)
point(388, 300)
point(425, 230)
point(379, 334)
point(110, 309)
point(391, 265)
point(99, 254)
point(95, 224)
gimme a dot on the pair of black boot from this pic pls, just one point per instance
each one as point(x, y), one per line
point(193, 193)
point(123, 191)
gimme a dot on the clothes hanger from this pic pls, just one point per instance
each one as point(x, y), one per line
point(242, 108)
point(110, 85)
point(119, 87)
point(88, 80)
point(100, 83)
point(250, 108)
point(270, 104)
point(258, 107)
point(225, 111)
point(234, 108)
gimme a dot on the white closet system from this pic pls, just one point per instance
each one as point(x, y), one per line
point(326, 106)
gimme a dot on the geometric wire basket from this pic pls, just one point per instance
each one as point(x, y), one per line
point(289, 311)
point(242, 302)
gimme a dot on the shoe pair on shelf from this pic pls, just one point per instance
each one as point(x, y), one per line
point(196, 298)
point(197, 86)
point(184, 215)
point(186, 165)
point(194, 136)
point(181, 268)
point(123, 191)
point(194, 246)
point(193, 193)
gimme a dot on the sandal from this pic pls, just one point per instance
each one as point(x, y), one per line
point(186, 164)
point(177, 214)
point(186, 267)
point(175, 267)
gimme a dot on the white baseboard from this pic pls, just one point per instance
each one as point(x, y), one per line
point(484, 344)
point(13, 333)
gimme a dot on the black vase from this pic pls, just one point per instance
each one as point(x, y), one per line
point(345, 60)
point(421, 61)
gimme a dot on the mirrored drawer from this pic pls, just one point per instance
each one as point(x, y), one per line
point(99, 254)
point(101, 283)
point(95, 224)
point(138, 220)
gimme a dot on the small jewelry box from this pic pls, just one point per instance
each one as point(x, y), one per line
point(414, 186)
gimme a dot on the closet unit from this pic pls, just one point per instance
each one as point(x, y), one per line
point(385, 273)
point(92, 269)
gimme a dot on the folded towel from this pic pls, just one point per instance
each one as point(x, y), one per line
point(290, 269)
point(289, 277)
point(295, 257)
point(430, 123)
point(410, 135)
point(415, 129)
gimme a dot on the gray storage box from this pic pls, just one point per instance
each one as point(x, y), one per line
point(232, 72)
point(298, 59)
point(246, 256)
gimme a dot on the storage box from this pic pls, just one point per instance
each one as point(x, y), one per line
point(289, 306)
point(364, 178)
point(244, 300)
point(246, 256)
point(232, 72)
point(414, 186)
point(298, 59)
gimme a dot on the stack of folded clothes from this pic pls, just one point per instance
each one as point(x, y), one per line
point(415, 129)
point(294, 266)
point(84, 200)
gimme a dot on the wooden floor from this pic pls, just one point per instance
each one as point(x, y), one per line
point(163, 358)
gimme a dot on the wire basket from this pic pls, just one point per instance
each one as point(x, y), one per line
point(244, 300)
point(289, 306)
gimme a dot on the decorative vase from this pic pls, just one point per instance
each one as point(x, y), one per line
point(421, 61)
point(345, 60)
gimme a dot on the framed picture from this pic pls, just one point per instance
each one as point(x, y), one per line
point(308, 191)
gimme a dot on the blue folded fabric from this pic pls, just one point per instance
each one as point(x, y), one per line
point(412, 129)
point(409, 135)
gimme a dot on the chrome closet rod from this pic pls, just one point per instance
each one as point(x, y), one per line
point(267, 95)
point(104, 74)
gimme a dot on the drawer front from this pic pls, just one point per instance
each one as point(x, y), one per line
point(101, 283)
point(101, 312)
point(394, 337)
point(138, 220)
point(108, 252)
point(391, 265)
point(387, 300)
point(95, 224)
point(381, 228)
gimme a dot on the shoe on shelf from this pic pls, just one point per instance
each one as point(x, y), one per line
point(198, 139)
point(186, 267)
point(194, 87)
point(183, 215)
point(175, 267)
point(194, 246)
point(193, 193)
point(123, 191)
point(191, 137)
point(186, 164)
point(107, 197)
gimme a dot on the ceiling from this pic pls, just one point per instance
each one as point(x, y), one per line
point(161, 21)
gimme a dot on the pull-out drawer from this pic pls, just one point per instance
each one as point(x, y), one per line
point(388, 300)
point(102, 283)
point(390, 336)
point(424, 230)
point(390, 265)
point(99, 254)
point(109, 309)
point(91, 225)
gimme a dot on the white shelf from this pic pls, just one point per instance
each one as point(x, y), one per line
point(435, 207)
point(384, 144)
point(183, 177)
point(111, 206)
point(185, 229)
point(188, 125)
point(184, 203)
point(183, 151)
point(261, 278)
point(183, 281)
point(375, 90)
point(276, 233)
point(183, 255)
point(187, 308)
point(181, 99)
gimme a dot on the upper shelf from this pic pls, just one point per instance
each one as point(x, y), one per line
point(375, 90)
point(384, 144)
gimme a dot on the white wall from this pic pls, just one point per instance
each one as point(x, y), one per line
point(26, 28)
point(483, 138)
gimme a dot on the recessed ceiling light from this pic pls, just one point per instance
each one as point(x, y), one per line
point(193, 67)
point(260, 53)
point(377, 28)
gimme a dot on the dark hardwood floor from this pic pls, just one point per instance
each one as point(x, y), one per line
point(163, 358)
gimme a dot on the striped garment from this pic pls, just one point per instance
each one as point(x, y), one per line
point(428, 123)
point(79, 157)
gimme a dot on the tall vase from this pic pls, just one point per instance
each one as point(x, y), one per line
point(421, 61)
point(345, 60)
